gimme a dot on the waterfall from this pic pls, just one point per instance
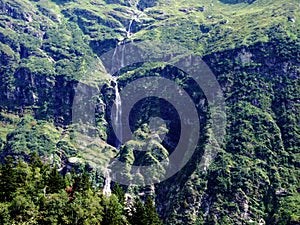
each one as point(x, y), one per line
point(121, 46)
point(106, 188)
point(128, 35)
point(128, 31)
point(118, 116)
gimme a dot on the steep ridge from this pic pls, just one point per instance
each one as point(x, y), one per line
point(252, 47)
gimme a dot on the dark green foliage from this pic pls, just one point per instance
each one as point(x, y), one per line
point(53, 210)
point(22, 208)
point(118, 191)
point(289, 212)
point(8, 180)
point(35, 193)
point(35, 160)
point(151, 214)
point(252, 48)
point(113, 211)
point(55, 182)
point(4, 213)
point(82, 182)
point(143, 213)
point(138, 213)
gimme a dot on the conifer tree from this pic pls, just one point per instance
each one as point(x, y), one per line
point(55, 181)
point(113, 211)
point(8, 182)
point(35, 160)
point(137, 214)
point(4, 214)
point(151, 213)
point(144, 214)
point(118, 191)
point(82, 182)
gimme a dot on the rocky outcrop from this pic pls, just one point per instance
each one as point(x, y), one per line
point(16, 11)
point(258, 71)
point(143, 4)
point(43, 58)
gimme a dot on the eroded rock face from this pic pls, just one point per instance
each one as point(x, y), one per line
point(50, 96)
point(257, 69)
point(192, 191)
point(143, 4)
point(38, 71)
point(16, 11)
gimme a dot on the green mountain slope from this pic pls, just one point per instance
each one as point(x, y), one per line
point(252, 47)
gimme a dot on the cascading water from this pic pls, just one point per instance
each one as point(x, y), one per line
point(128, 35)
point(117, 119)
point(106, 188)
point(128, 31)
point(118, 115)
point(133, 4)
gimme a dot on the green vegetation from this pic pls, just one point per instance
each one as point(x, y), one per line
point(35, 193)
point(47, 47)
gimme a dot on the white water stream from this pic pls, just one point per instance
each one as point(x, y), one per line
point(117, 120)
point(118, 115)
point(107, 188)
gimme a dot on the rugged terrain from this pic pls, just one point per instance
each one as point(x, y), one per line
point(252, 47)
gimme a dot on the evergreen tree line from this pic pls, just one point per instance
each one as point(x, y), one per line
point(35, 193)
